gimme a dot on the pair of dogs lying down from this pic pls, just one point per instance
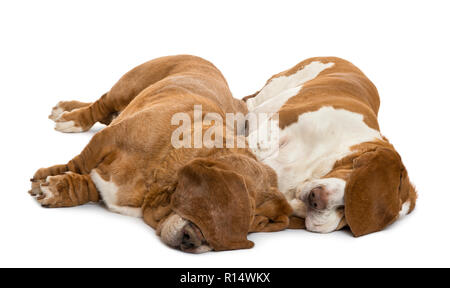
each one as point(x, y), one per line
point(329, 168)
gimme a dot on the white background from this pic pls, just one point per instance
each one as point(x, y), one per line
point(61, 50)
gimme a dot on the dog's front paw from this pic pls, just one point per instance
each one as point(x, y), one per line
point(52, 192)
point(68, 122)
point(43, 173)
point(68, 116)
point(65, 106)
point(57, 111)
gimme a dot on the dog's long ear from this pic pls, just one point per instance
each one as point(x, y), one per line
point(217, 201)
point(372, 196)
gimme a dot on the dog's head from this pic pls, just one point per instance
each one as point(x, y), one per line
point(215, 199)
point(367, 191)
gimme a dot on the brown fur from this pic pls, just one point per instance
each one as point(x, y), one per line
point(377, 181)
point(225, 192)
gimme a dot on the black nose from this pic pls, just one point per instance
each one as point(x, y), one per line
point(318, 199)
point(192, 237)
point(312, 200)
point(187, 241)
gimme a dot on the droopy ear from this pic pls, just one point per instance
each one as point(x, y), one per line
point(372, 199)
point(217, 201)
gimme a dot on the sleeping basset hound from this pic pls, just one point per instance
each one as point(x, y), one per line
point(333, 164)
point(198, 199)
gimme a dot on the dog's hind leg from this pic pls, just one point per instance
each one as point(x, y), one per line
point(65, 190)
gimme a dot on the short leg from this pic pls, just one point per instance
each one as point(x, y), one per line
point(117, 99)
point(43, 173)
point(66, 106)
point(66, 190)
point(71, 184)
point(98, 150)
point(74, 116)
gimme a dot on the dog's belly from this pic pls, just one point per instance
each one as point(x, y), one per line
point(108, 190)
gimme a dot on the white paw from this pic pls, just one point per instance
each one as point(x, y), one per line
point(47, 196)
point(66, 126)
point(44, 195)
point(57, 111)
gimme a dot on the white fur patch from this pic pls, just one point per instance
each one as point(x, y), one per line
point(47, 193)
point(67, 127)
point(299, 207)
point(324, 222)
point(56, 112)
point(405, 209)
point(313, 144)
point(108, 190)
point(280, 89)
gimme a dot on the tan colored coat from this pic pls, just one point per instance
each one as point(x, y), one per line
point(132, 166)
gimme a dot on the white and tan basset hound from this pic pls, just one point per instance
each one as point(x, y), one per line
point(333, 164)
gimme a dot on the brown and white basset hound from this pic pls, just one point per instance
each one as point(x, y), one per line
point(198, 199)
point(333, 164)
